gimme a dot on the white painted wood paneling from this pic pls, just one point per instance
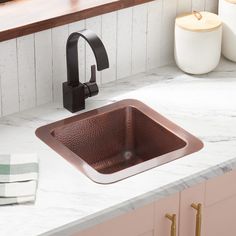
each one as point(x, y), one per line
point(94, 24)
point(139, 39)
point(9, 80)
point(211, 6)
point(59, 38)
point(74, 27)
point(168, 25)
point(109, 39)
point(33, 67)
point(0, 95)
point(43, 63)
point(184, 6)
point(124, 42)
point(26, 72)
point(154, 34)
point(198, 5)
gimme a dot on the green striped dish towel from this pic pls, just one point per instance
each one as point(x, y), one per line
point(18, 167)
point(16, 200)
point(18, 189)
point(18, 178)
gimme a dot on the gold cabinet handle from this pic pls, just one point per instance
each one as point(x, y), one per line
point(172, 218)
point(198, 208)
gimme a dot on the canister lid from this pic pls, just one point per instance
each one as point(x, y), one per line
point(231, 1)
point(199, 21)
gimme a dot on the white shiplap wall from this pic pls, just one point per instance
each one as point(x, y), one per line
point(33, 67)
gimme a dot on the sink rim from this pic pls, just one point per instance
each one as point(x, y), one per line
point(193, 144)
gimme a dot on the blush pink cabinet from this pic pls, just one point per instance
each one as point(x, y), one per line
point(206, 209)
point(170, 206)
point(135, 223)
point(139, 222)
point(219, 219)
point(151, 233)
point(187, 214)
point(220, 206)
point(218, 200)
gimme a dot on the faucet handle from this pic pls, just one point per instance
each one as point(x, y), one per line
point(93, 74)
point(91, 87)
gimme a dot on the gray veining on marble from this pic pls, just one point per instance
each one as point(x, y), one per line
point(204, 105)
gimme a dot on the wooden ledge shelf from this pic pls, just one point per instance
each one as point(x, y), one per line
point(22, 17)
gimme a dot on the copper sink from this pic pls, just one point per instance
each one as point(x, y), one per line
point(117, 141)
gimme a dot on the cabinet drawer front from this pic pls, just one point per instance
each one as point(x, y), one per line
point(168, 205)
point(89, 232)
point(195, 194)
point(132, 223)
point(220, 188)
point(138, 222)
point(219, 219)
point(150, 233)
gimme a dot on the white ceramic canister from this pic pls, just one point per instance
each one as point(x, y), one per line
point(198, 38)
point(227, 12)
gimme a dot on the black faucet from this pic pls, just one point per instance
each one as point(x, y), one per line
point(75, 92)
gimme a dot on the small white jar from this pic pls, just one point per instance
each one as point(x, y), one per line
point(198, 38)
point(227, 12)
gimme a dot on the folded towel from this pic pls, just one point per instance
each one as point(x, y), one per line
point(18, 189)
point(16, 200)
point(18, 167)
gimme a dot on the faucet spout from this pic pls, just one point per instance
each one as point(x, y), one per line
point(75, 92)
point(72, 54)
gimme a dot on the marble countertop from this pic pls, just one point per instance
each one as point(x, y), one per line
point(67, 200)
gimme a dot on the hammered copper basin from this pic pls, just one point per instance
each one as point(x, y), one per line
point(119, 140)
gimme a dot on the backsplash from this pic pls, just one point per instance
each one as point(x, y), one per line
point(32, 68)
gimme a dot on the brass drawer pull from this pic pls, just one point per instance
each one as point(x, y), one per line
point(198, 208)
point(172, 218)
